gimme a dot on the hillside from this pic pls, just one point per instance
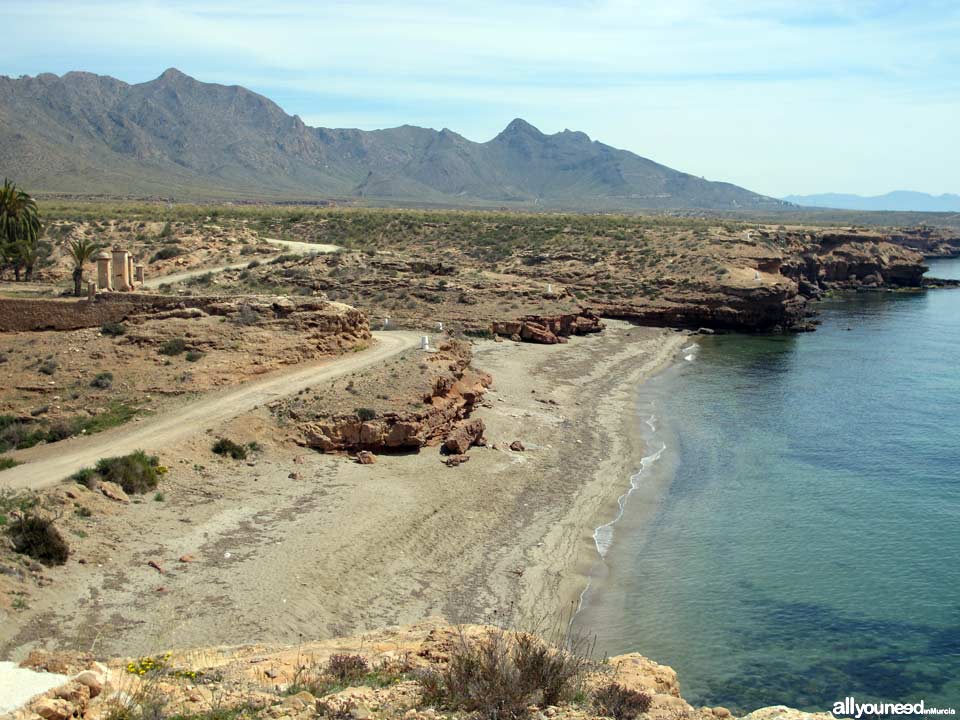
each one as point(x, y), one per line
point(176, 137)
point(897, 201)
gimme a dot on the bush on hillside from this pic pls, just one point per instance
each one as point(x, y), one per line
point(500, 674)
point(166, 253)
point(174, 346)
point(113, 329)
point(619, 702)
point(38, 537)
point(228, 448)
point(136, 473)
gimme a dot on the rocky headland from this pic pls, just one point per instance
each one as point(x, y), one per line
point(393, 673)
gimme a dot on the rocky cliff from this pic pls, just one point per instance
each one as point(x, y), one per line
point(766, 286)
point(931, 242)
point(386, 674)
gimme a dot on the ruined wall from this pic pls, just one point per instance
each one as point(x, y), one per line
point(25, 315)
point(28, 315)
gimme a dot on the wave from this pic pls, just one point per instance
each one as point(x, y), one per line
point(603, 535)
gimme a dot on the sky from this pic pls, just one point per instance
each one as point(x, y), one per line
point(779, 96)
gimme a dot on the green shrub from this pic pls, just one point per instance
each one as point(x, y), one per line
point(39, 538)
point(49, 366)
point(102, 380)
point(194, 355)
point(166, 253)
point(366, 414)
point(136, 473)
point(7, 462)
point(174, 346)
point(113, 329)
point(227, 447)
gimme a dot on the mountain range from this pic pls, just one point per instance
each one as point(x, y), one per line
point(899, 200)
point(176, 137)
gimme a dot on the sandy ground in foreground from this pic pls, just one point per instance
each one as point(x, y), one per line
point(293, 544)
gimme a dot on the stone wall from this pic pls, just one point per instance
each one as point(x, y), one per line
point(25, 315)
point(29, 315)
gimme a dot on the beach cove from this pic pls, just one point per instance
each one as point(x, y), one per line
point(803, 550)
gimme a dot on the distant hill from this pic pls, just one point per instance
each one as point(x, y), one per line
point(180, 138)
point(899, 200)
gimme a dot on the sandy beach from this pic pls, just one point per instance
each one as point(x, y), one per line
point(294, 544)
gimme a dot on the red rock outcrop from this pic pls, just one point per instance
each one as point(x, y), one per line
point(463, 436)
point(548, 330)
point(450, 401)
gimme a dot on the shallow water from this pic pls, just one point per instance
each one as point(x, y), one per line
point(808, 546)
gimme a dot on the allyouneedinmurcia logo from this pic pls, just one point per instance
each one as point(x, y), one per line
point(849, 707)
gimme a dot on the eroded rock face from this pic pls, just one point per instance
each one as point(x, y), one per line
point(930, 242)
point(781, 274)
point(451, 400)
point(851, 260)
point(550, 329)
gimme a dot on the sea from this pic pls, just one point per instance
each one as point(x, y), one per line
point(805, 546)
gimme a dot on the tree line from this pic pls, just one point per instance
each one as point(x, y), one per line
point(21, 247)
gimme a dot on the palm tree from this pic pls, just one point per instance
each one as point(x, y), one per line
point(80, 252)
point(19, 229)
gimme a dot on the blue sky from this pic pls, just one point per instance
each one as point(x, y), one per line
point(779, 96)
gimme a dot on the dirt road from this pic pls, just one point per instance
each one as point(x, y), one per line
point(291, 245)
point(48, 465)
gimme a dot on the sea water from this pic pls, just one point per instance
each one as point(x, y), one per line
point(806, 544)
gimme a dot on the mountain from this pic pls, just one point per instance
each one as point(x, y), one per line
point(902, 200)
point(180, 138)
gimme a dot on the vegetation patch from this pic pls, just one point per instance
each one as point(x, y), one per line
point(113, 329)
point(501, 674)
point(7, 462)
point(166, 253)
point(366, 414)
point(228, 448)
point(38, 537)
point(619, 702)
point(174, 346)
point(102, 381)
point(21, 434)
point(15, 502)
point(136, 473)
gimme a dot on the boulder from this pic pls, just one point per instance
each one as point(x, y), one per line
point(463, 436)
point(113, 491)
point(53, 709)
point(93, 680)
point(365, 457)
point(454, 460)
point(517, 446)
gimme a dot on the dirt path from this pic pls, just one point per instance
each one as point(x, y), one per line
point(48, 465)
point(294, 245)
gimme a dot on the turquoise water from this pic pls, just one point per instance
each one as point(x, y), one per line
point(807, 544)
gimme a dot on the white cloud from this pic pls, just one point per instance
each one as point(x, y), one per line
point(781, 96)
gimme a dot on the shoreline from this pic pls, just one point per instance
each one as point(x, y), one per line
point(301, 544)
point(614, 457)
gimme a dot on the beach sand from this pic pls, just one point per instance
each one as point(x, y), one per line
point(297, 544)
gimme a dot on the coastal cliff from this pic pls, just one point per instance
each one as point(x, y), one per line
point(393, 673)
point(766, 286)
